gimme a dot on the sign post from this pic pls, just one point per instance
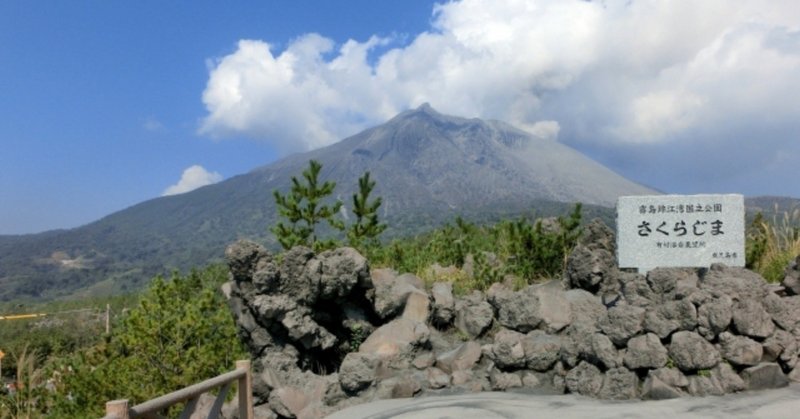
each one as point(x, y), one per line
point(680, 231)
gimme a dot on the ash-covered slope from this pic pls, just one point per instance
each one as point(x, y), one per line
point(422, 159)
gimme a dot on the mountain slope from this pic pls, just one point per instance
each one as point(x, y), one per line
point(455, 163)
point(429, 167)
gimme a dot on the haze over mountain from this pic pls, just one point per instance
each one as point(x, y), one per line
point(429, 167)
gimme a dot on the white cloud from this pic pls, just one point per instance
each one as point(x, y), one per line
point(191, 179)
point(547, 130)
point(152, 124)
point(611, 74)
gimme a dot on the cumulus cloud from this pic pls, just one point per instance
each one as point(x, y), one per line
point(619, 78)
point(191, 179)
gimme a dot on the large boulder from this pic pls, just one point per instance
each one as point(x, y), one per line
point(714, 316)
point(620, 384)
point(785, 312)
point(635, 290)
point(541, 350)
point(727, 378)
point(620, 323)
point(669, 317)
point(737, 283)
point(507, 351)
point(791, 279)
point(740, 350)
point(664, 383)
point(585, 379)
point(358, 371)
point(585, 307)
point(655, 389)
point(462, 358)
point(553, 306)
point(515, 310)
point(396, 338)
point(692, 352)
point(299, 281)
point(473, 314)
point(443, 303)
point(645, 351)
point(782, 346)
point(704, 385)
point(588, 269)
point(751, 319)
point(603, 352)
point(243, 257)
point(764, 376)
point(391, 291)
point(541, 305)
point(339, 271)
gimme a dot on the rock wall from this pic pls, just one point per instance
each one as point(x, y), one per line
point(325, 332)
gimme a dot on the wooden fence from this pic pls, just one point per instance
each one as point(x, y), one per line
point(119, 409)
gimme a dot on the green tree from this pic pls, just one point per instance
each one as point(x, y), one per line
point(181, 333)
point(756, 244)
point(303, 208)
point(365, 230)
point(540, 253)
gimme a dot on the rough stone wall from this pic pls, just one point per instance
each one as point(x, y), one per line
point(325, 332)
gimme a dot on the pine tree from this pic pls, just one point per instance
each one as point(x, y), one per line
point(303, 208)
point(366, 228)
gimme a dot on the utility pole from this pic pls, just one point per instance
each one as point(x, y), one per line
point(108, 318)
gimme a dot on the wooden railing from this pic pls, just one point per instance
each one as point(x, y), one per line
point(119, 409)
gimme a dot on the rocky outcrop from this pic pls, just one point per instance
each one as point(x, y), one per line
point(326, 332)
point(791, 280)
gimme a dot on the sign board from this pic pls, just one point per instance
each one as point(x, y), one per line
point(680, 231)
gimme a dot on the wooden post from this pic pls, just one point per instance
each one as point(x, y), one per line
point(117, 408)
point(108, 318)
point(245, 391)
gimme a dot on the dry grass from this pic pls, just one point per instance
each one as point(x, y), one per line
point(779, 242)
point(29, 379)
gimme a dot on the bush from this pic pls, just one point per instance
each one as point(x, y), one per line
point(770, 246)
point(523, 248)
point(181, 332)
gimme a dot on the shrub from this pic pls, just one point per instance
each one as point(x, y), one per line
point(181, 332)
point(770, 246)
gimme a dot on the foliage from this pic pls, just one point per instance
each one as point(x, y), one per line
point(364, 232)
point(67, 327)
point(538, 251)
point(525, 249)
point(29, 389)
point(771, 245)
point(357, 335)
point(303, 208)
point(180, 333)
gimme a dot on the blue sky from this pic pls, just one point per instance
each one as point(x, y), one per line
point(107, 104)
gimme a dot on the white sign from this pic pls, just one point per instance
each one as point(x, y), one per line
point(680, 231)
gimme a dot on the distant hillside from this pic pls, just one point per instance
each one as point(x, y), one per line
point(770, 205)
point(429, 168)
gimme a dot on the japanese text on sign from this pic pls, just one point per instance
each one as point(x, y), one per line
point(680, 230)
